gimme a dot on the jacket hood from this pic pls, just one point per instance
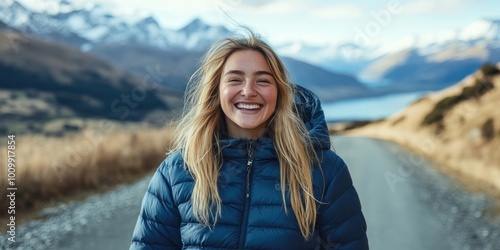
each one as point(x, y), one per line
point(309, 110)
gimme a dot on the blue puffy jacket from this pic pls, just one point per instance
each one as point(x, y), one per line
point(256, 221)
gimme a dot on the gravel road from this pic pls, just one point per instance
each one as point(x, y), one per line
point(103, 221)
point(407, 204)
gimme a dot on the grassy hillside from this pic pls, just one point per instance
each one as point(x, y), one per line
point(51, 169)
point(458, 127)
point(43, 81)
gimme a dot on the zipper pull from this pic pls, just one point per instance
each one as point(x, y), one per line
point(250, 154)
point(249, 166)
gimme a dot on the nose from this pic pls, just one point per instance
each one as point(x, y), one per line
point(248, 89)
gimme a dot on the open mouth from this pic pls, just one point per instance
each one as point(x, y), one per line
point(248, 106)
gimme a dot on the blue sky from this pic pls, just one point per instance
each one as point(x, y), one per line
point(317, 22)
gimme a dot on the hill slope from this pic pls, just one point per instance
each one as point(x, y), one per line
point(174, 67)
point(44, 80)
point(327, 85)
point(177, 66)
point(415, 70)
point(458, 127)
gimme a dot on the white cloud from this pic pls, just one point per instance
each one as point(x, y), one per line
point(251, 3)
point(432, 6)
point(172, 6)
point(275, 7)
point(331, 12)
point(281, 7)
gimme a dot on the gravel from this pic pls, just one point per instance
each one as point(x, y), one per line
point(463, 214)
point(67, 225)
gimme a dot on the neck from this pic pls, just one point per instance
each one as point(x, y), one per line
point(248, 134)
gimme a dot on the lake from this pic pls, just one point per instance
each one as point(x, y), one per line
point(371, 108)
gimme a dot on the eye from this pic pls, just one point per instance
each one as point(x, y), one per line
point(234, 80)
point(263, 81)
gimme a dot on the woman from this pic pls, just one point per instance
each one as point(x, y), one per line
point(247, 172)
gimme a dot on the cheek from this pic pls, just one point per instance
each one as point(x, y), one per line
point(225, 96)
point(272, 97)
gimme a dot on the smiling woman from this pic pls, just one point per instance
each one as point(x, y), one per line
point(248, 94)
point(250, 149)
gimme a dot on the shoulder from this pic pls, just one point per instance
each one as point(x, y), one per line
point(331, 162)
point(173, 160)
point(333, 173)
point(172, 169)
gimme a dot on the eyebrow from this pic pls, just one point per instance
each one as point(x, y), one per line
point(240, 72)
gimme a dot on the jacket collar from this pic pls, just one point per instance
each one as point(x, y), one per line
point(263, 148)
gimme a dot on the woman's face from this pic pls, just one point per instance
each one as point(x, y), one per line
point(248, 94)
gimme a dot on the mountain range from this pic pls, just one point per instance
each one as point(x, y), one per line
point(426, 62)
point(142, 44)
point(138, 43)
point(89, 25)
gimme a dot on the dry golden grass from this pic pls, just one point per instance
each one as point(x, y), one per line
point(458, 143)
point(49, 169)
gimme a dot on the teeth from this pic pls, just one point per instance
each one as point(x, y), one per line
point(247, 106)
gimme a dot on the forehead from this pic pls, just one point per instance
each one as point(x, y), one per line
point(246, 61)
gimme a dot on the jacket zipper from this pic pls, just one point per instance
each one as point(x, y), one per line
point(243, 231)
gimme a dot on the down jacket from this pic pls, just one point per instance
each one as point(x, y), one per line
point(253, 215)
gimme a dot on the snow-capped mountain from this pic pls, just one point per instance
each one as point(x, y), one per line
point(478, 33)
point(140, 45)
point(485, 32)
point(345, 57)
point(135, 41)
point(198, 34)
point(87, 25)
point(439, 58)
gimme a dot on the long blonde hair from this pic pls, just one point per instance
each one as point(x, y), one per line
point(202, 126)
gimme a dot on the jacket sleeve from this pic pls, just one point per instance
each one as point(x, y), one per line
point(340, 222)
point(158, 224)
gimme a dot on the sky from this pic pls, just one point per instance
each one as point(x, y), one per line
point(316, 22)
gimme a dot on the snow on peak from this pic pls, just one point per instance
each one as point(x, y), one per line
point(480, 29)
point(79, 23)
point(6, 3)
point(49, 7)
point(194, 26)
point(15, 14)
point(147, 21)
